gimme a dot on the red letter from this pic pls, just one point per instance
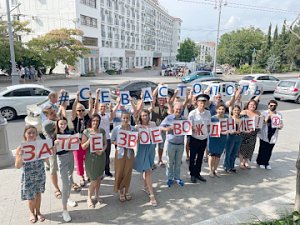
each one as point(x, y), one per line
point(144, 137)
point(186, 126)
point(250, 124)
point(199, 129)
point(30, 152)
point(242, 125)
point(44, 150)
point(223, 124)
point(156, 136)
point(122, 137)
point(215, 130)
point(63, 140)
point(97, 144)
point(177, 129)
point(230, 124)
point(73, 140)
point(132, 140)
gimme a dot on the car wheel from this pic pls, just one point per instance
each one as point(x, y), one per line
point(298, 100)
point(8, 113)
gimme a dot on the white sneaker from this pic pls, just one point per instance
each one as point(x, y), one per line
point(72, 203)
point(262, 166)
point(66, 216)
point(268, 167)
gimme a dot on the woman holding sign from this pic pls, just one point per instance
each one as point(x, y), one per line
point(124, 158)
point(145, 155)
point(33, 178)
point(217, 140)
point(249, 136)
point(269, 134)
point(95, 157)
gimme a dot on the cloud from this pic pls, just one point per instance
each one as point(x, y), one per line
point(232, 22)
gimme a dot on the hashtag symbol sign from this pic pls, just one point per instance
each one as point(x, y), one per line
point(64, 97)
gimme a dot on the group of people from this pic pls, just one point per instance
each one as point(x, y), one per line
point(29, 73)
point(162, 113)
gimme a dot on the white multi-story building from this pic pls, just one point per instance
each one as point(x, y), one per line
point(206, 48)
point(128, 33)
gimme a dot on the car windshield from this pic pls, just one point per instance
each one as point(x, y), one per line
point(287, 84)
point(248, 78)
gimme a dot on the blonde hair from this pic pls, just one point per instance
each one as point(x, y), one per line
point(52, 95)
point(27, 127)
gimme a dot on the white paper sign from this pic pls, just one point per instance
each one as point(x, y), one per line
point(182, 127)
point(144, 136)
point(147, 94)
point(259, 121)
point(127, 139)
point(84, 91)
point(104, 95)
point(229, 88)
point(64, 97)
point(36, 150)
point(214, 89)
point(155, 134)
point(197, 88)
point(181, 88)
point(215, 130)
point(162, 91)
point(244, 89)
point(67, 142)
point(276, 121)
point(96, 142)
point(200, 129)
point(125, 97)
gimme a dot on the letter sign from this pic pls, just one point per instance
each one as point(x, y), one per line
point(84, 91)
point(162, 91)
point(144, 136)
point(147, 94)
point(215, 130)
point(104, 95)
point(276, 121)
point(124, 96)
point(96, 142)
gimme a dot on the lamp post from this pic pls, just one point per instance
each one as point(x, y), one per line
point(218, 5)
point(15, 78)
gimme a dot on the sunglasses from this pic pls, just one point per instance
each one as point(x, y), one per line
point(272, 105)
point(80, 110)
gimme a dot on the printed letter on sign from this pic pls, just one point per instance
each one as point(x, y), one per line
point(96, 142)
point(28, 151)
point(231, 125)
point(250, 123)
point(197, 88)
point(244, 89)
point(229, 89)
point(259, 121)
point(147, 93)
point(214, 89)
point(181, 90)
point(104, 95)
point(162, 91)
point(155, 135)
point(223, 125)
point(122, 138)
point(132, 140)
point(275, 121)
point(43, 148)
point(201, 129)
point(84, 92)
point(124, 96)
point(215, 129)
point(144, 136)
point(68, 142)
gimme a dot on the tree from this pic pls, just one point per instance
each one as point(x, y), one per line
point(269, 37)
point(236, 47)
point(293, 48)
point(58, 46)
point(187, 51)
point(208, 58)
point(273, 63)
point(275, 35)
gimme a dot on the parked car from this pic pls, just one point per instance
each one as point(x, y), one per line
point(195, 75)
point(34, 112)
point(219, 69)
point(135, 87)
point(264, 81)
point(288, 90)
point(206, 79)
point(15, 98)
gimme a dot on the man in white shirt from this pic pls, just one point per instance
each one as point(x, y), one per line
point(200, 118)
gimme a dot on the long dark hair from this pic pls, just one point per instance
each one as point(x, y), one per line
point(248, 103)
point(57, 128)
point(144, 111)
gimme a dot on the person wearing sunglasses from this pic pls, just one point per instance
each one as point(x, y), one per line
point(269, 134)
point(80, 118)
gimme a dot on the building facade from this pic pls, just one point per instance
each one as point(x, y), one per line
point(206, 52)
point(121, 34)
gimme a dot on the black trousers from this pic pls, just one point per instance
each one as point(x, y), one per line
point(197, 148)
point(264, 153)
point(107, 154)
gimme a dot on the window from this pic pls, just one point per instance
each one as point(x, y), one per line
point(88, 21)
point(90, 41)
point(273, 78)
point(23, 92)
point(40, 92)
point(91, 3)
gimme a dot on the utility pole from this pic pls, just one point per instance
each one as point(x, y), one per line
point(15, 78)
point(218, 5)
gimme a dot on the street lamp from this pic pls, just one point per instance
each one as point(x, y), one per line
point(14, 75)
point(218, 5)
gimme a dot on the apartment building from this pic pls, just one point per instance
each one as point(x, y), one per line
point(119, 33)
point(206, 48)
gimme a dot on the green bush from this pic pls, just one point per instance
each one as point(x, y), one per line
point(110, 72)
point(246, 69)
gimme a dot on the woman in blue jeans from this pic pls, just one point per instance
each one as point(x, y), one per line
point(233, 144)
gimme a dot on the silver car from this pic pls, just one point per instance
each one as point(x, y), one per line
point(288, 90)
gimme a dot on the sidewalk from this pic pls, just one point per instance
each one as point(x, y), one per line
point(231, 196)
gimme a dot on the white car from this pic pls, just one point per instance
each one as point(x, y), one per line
point(264, 81)
point(15, 98)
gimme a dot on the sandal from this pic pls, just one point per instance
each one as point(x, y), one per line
point(128, 196)
point(57, 194)
point(90, 204)
point(76, 187)
point(33, 219)
point(122, 198)
point(161, 164)
point(153, 200)
point(41, 218)
point(145, 189)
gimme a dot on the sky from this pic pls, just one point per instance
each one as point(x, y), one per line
point(200, 19)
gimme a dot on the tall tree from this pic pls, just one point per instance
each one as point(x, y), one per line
point(187, 51)
point(293, 49)
point(58, 46)
point(236, 47)
point(269, 37)
point(275, 35)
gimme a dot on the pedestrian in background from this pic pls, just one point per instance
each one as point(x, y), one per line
point(268, 136)
point(33, 178)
